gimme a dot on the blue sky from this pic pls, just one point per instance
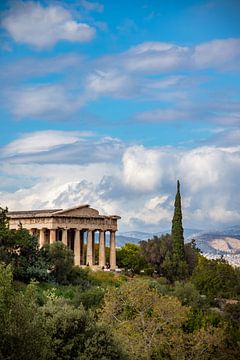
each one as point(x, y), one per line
point(110, 102)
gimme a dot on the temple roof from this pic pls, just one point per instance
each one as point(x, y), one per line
point(78, 211)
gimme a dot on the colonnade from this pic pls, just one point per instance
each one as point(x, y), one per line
point(75, 239)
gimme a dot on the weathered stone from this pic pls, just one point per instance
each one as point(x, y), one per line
point(69, 226)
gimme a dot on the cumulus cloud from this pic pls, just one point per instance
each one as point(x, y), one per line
point(139, 168)
point(136, 182)
point(33, 24)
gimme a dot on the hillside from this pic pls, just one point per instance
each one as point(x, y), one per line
point(216, 242)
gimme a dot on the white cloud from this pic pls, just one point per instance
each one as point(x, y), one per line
point(155, 56)
point(156, 201)
point(139, 168)
point(42, 141)
point(217, 54)
point(35, 67)
point(137, 183)
point(33, 24)
point(108, 82)
point(53, 101)
point(62, 147)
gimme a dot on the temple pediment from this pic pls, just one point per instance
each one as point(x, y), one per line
point(83, 210)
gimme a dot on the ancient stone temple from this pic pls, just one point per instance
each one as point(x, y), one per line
point(80, 228)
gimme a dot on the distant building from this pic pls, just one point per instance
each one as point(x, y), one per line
point(75, 227)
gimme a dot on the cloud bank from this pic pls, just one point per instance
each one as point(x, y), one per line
point(136, 182)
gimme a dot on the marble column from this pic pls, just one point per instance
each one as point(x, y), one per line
point(112, 250)
point(102, 255)
point(52, 236)
point(89, 260)
point(41, 237)
point(82, 247)
point(77, 248)
point(93, 247)
point(64, 237)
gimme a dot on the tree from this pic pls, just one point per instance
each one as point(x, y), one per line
point(21, 250)
point(145, 322)
point(216, 278)
point(130, 258)
point(150, 326)
point(22, 332)
point(60, 259)
point(74, 334)
point(177, 228)
point(155, 250)
point(175, 265)
point(4, 223)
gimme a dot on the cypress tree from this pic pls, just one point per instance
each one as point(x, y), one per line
point(177, 229)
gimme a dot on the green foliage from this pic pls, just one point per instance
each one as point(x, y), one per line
point(188, 295)
point(130, 258)
point(79, 276)
point(66, 327)
point(151, 326)
point(90, 298)
point(20, 249)
point(216, 278)
point(74, 334)
point(106, 278)
point(155, 250)
point(101, 344)
point(56, 330)
point(191, 255)
point(177, 228)
point(4, 223)
point(22, 334)
point(60, 257)
point(179, 264)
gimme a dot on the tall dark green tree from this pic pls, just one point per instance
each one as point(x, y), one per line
point(177, 228)
point(175, 265)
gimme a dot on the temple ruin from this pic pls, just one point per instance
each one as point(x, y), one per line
point(78, 228)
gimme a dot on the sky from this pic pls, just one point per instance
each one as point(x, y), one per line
point(108, 103)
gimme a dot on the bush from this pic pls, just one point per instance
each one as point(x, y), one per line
point(216, 278)
point(91, 298)
point(106, 278)
point(80, 277)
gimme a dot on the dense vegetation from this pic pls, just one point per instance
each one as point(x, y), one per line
point(156, 309)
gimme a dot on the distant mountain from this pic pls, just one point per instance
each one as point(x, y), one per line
point(216, 242)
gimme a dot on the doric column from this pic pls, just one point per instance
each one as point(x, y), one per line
point(93, 247)
point(41, 237)
point(89, 260)
point(52, 236)
point(77, 248)
point(82, 247)
point(102, 256)
point(112, 250)
point(64, 237)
